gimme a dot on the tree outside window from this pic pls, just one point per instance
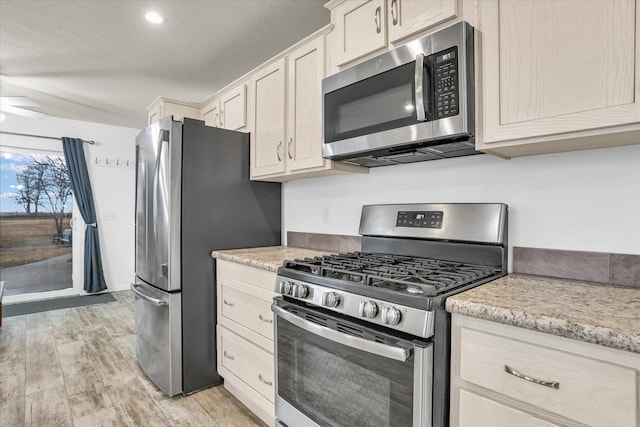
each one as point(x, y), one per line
point(44, 183)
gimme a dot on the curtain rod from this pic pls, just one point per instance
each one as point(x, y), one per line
point(42, 136)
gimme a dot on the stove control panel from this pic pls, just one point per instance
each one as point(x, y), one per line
point(422, 219)
point(410, 320)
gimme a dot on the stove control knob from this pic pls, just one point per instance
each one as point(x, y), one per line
point(330, 299)
point(285, 287)
point(368, 309)
point(391, 316)
point(300, 291)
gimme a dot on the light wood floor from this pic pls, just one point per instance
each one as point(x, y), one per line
point(77, 367)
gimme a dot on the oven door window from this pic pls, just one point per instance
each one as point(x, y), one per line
point(382, 102)
point(336, 385)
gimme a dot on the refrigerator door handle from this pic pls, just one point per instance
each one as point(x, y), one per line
point(156, 177)
point(137, 289)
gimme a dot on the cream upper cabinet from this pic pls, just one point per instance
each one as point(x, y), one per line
point(163, 107)
point(228, 110)
point(407, 17)
point(305, 70)
point(268, 121)
point(211, 113)
point(366, 26)
point(286, 140)
point(361, 28)
point(558, 75)
point(506, 376)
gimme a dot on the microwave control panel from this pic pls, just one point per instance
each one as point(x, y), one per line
point(446, 90)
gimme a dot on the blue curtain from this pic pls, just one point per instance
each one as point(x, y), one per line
point(79, 175)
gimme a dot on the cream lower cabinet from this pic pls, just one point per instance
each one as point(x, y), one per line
point(245, 335)
point(227, 110)
point(286, 131)
point(557, 75)
point(163, 107)
point(504, 376)
point(363, 27)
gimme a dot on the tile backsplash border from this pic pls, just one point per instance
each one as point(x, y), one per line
point(600, 267)
point(324, 242)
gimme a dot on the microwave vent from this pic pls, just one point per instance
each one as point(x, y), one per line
point(451, 147)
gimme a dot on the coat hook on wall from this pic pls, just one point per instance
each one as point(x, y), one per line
point(112, 162)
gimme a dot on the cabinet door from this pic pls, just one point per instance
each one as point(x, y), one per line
point(211, 113)
point(480, 411)
point(304, 106)
point(267, 140)
point(233, 108)
point(407, 17)
point(361, 28)
point(154, 114)
point(551, 67)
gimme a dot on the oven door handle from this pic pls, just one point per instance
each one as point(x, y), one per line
point(384, 350)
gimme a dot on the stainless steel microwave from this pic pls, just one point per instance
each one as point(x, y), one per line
point(410, 104)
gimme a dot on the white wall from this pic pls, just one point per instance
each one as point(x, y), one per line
point(586, 200)
point(113, 187)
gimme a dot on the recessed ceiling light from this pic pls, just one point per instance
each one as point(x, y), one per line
point(154, 18)
point(2, 117)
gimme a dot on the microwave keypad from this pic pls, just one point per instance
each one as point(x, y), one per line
point(446, 83)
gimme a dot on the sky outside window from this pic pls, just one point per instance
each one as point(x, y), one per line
point(10, 165)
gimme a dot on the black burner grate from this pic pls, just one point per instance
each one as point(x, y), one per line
point(411, 275)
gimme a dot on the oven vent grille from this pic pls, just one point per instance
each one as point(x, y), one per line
point(347, 329)
point(320, 320)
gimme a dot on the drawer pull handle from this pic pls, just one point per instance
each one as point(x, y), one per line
point(264, 381)
point(264, 319)
point(230, 304)
point(552, 384)
point(227, 355)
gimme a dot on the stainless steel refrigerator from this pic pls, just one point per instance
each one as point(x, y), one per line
point(193, 195)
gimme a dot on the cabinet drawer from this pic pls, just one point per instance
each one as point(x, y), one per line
point(591, 392)
point(479, 411)
point(251, 364)
point(247, 310)
point(250, 275)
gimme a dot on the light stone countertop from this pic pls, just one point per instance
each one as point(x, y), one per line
point(267, 258)
point(601, 314)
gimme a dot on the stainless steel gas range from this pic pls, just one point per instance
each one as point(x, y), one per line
point(363, 339)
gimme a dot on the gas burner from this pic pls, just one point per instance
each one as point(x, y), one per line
point(397, 273)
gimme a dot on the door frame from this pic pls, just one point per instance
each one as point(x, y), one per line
point(52, 148)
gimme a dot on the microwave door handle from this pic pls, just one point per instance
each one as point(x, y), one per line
point(384, 350)
point(421, 94)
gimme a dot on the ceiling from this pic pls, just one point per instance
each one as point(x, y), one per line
point(101, 61)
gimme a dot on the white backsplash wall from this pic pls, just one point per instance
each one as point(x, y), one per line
point(586, 200)
point(113, 187)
